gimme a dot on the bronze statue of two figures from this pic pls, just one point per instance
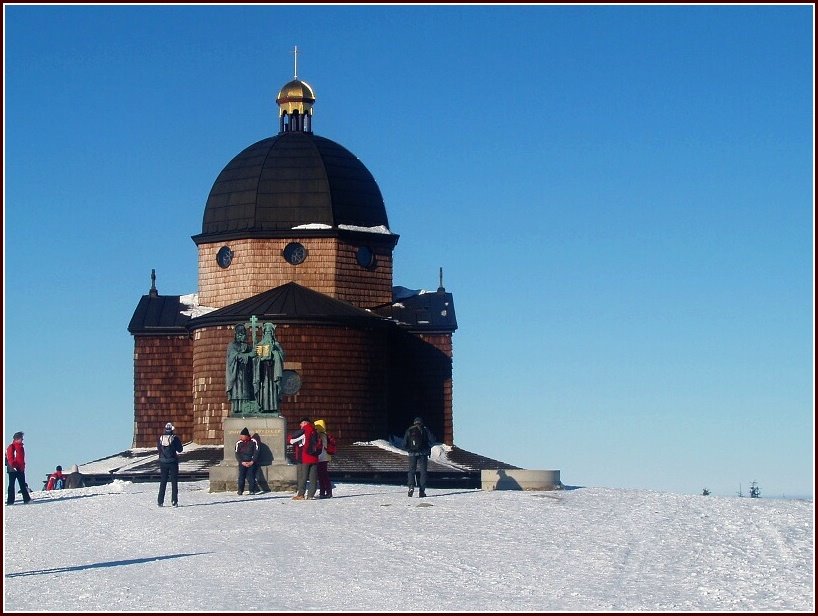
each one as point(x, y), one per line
point(254, 371)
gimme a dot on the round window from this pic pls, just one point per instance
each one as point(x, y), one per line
point(365, 257)
point(224, 257)
point(294, 253)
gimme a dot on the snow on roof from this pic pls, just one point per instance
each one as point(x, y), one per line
point(191, 300)
point(132, 460)
point(381, 229)
point(138, 459)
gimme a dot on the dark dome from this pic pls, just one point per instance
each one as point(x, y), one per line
point(292, 179)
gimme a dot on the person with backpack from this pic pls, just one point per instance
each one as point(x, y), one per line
point(74, 479)
point(16, 468)
point(417, 440)
point(247, 457)
point(307, 446)
point(56, 480)
point(169, 446)
point(328, 442)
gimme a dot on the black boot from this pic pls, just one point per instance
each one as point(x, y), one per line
point(411, 491)
point(422, 493)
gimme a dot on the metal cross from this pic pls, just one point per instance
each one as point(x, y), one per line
point(253, 326)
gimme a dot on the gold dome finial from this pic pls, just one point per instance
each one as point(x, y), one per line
point(295, 101)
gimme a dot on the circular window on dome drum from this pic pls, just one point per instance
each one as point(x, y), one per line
point(294, 253)
point(365, 257)
point(224, 257)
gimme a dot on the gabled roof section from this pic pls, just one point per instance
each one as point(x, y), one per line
point(159, 314)
point(290, 303)
point(421, 312)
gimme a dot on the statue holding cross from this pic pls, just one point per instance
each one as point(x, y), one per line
point(254, 370)
point(268, 368)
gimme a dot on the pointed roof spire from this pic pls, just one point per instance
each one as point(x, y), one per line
point(295, 62)
point(153, 292)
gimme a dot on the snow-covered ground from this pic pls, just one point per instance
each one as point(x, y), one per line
point(370, 548)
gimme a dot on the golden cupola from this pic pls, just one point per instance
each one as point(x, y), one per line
point(295, 101)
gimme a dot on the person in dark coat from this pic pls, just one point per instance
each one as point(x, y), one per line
point(247, 457)
point(307, 469)
point(169, 446)
point(418, 441)
point(74, 479)
point(16, 468)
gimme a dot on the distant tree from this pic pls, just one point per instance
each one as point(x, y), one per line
point(705, 492)
point(755, 491)
point(740, 493)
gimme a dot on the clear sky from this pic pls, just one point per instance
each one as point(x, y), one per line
point(621, 198)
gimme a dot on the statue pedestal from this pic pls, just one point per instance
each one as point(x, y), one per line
point(274, 472)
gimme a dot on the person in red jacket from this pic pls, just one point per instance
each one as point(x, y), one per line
point(16, 468)
point(56, 481)
point(306, 456)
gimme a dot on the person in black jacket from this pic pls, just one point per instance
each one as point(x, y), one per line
point(417, 440)
point(74, 479)
point(247, 457)
point(169, 446)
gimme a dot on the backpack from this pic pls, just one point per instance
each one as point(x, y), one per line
point(416, 440)
point(332, 447)
point(315, 446)
point(59, 484)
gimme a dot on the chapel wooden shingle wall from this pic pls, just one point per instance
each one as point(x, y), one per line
point(421, 383)
point(163, 374)
point(343, 373)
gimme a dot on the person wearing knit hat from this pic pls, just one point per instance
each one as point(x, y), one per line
point(417, 440)
point(169, 446)
point(247, 457)
point(56, 480)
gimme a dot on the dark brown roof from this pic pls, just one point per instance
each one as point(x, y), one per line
point(290, 302)
point(422, 312)
point(158, 314)
point(292, 179)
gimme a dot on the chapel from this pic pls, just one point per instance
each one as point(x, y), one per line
point(295, 232)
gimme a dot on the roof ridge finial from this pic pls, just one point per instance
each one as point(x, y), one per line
point(295, 62)
point(153, 291)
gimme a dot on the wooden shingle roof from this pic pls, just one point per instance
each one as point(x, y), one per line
point(290, 303)
point(159, 314)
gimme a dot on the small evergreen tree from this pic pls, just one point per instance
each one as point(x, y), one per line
point(755, 491)
point(705, 492)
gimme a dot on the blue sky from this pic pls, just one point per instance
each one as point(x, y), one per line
point(621, 198)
